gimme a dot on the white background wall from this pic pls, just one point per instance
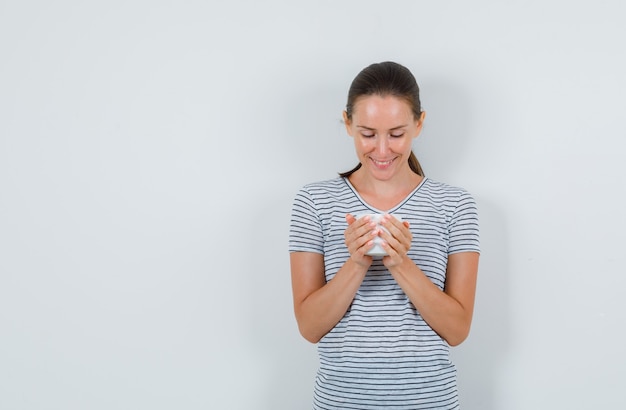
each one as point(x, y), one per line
point(150, 150)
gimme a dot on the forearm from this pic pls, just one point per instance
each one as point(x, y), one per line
point(320, 311)
point(444, 314)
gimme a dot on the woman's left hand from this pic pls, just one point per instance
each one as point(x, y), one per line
point(396, 240)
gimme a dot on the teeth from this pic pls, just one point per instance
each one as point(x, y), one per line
point(382, 162)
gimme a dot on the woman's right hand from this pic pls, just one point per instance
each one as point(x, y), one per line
point(359, 238)
point(319, 303)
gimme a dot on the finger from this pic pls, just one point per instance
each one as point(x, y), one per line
point(355, 223)
point(358, 251)
point(396, 238)
point(363, 242)
point(392, 245)
point(399, 229)
point(359, 234)
point(361, 227)
point(395, 227)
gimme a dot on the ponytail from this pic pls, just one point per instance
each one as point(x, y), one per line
point(415, 166)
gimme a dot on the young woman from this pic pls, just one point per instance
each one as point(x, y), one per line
point(384, 325)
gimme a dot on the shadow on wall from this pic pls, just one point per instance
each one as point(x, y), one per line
point(478, 358)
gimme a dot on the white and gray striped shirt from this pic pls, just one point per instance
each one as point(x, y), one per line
point(382, 354)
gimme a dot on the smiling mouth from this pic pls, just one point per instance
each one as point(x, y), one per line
point(382, 164)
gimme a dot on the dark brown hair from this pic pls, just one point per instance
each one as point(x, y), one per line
point(387, 78)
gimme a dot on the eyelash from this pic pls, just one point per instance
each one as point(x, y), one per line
point(373, 135)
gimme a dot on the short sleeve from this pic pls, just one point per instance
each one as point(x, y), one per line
point(305, 231)
point(464, 231)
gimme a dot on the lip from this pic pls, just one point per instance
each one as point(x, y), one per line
point(382, 164)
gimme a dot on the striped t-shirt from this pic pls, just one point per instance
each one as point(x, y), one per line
point(382, 354)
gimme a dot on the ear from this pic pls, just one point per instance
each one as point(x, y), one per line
point(420, 123)
point(422, 116)
point(347, 123)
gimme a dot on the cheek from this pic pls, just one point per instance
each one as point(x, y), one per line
point(402, 145)
point(363, 145)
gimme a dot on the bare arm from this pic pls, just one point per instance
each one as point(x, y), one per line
point(448, 312)
point(319, 305)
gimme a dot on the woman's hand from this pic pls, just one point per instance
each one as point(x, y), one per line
point(359, 238)
point(319, 304)
point(396, 240)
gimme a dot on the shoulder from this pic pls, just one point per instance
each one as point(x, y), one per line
point(326, 188)
point(326, 198)
point(442, 192)
point(333, 183)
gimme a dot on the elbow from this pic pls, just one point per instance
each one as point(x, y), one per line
point(309, 329)
point(311, 339)
point(456, 338)
point(309, 335)
point(453, 342)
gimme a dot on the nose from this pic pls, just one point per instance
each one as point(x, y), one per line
point(382, 145)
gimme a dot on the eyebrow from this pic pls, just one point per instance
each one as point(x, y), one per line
point(374, 129)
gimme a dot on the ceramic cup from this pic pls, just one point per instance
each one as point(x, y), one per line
point(377, 249)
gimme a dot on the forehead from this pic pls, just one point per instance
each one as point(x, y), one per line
point(382, 108)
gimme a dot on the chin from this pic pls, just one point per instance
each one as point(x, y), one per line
point(382, 175)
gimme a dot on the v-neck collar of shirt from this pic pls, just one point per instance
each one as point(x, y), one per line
point(392, 209)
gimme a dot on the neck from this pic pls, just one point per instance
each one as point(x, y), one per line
point(397, 186)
